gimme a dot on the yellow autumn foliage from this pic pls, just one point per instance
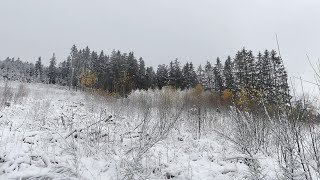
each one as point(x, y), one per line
point(198, 89)
point(227, 95)
point(248, 98)
point(88, 79)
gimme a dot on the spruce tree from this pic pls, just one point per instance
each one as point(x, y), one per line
point(201, 76)
point(162, 76)
point(186, 77)
point(193, 75)
point(86, 59)
point(75, 66)
point(133, 72)
point(142, 84)
point(151, 78)
point(209, 76)
point(38, 70)
point(101, 69)
point(267, 77)
point(250, 70)
point(228, 74)
point(244, 70)
point(175, 74)
point(218, 76)
point(52, 74)
point(279, 80)
point(259, 72)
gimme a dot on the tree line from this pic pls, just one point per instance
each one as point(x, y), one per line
point(242, 77)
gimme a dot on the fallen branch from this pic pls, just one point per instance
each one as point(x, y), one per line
point(80, 130)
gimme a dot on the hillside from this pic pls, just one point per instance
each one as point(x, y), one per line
point(37, 141)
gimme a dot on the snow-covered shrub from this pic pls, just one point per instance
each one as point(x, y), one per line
point(297, 151)
point(21, 93)
point(250, 135)
point(7, 94)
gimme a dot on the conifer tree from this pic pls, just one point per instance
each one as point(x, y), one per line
point(162, 76)
point(52, 74)
point(228, 74)
point(175, 74)
point(201, 76)
point(38, 70)
point(101, 68)
point(133, 71)
point(142, 75)
point(209, 76)
point(86, 59)
point(193, 75)
point(75, 66)
point(151, 78)
point(189, 76)
point(280, 87)
point(267, 77)
point(218, 76)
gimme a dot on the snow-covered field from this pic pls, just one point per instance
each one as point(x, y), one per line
point(56, 133)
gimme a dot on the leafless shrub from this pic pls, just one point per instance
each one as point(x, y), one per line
point(21, 93)
point(249, 135)
point(7, 95)
point(314, 147)
point(150, 131)
point(249, 131)
point(40, 111)
point(287, 150)
point(290, 136)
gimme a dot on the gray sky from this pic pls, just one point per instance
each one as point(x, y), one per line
point(162, 30)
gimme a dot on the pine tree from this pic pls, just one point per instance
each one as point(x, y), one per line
point(260, 72)
point(63, 72)
point(151, 78)
point(52, 75)
point(267, 77)
point(101, 67)
point(69, 72)
point(38, 70)
point(75, 66)
point(218, 76)
point(94, 62)
point(201, 76)
point(114, 69)
point(142, 75)
point(244, 70)
point(209, 76)
point(171, 77)
point(175, 74)
point(228, 74)
point(280, 87)
point(185, 77)
point(193, 75)
point(189, 76)
point(162, 76)
point(86, 60)
point(250, 71)
point(133, 72)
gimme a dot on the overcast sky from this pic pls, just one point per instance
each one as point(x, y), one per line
point(162, 30)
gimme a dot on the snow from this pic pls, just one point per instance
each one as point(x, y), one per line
point(34, 142)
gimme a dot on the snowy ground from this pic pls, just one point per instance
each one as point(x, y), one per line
point(36, 141)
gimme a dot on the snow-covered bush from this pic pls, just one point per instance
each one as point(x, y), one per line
point(7, 94)
point(21, 93)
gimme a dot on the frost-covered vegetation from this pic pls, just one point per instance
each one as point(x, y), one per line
point(51, 132)
point(245, 78)
point(110, 117)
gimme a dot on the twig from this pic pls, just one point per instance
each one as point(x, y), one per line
point(80, 130)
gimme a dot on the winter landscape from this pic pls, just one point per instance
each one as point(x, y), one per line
point(78, 121)
point(80, 100)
